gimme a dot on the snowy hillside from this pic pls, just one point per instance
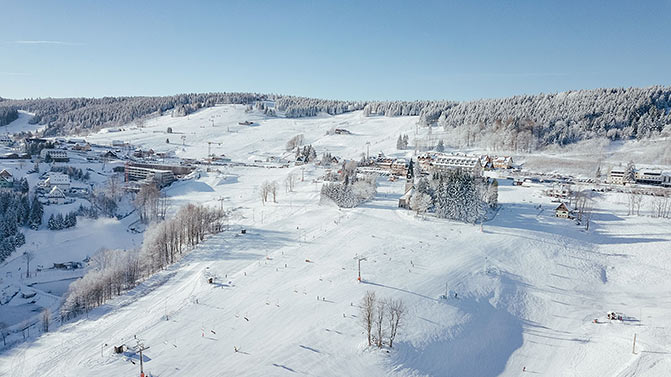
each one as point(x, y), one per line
point(523, 290)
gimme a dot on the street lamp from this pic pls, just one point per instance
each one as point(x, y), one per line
point(359, 259)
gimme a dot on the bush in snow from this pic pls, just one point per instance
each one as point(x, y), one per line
point(294, 142)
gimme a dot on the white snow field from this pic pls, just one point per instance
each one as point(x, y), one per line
point(528, 284)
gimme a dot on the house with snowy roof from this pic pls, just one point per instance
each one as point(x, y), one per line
point(562, 211)
point(468, 164)
point(6, 179)
point(59, 180)
point(56, 196)
point(58, 155)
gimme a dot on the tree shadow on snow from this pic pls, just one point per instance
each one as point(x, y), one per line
point(481, 347)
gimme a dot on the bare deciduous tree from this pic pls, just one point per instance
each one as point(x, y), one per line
point(28, 256)
point(380, 309)
point(396, 310)
point(147, 202)
point(635, 200)
point(273, 190)
point(46, 317)
point(368, 314)
point(3, 333)
point(290, 182)
point(294, 142)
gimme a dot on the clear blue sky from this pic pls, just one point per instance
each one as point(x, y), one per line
point(456, 50)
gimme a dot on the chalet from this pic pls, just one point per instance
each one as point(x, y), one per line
point(110, 155)
point(503, 162)
point(6, 179)
point(487, 162)
point(650, 177)
point(118, 143)
point(59, 180)
point(58, 155)
point(469, 164)
point(562, 211)
point(246, 123)
point(56, 196)
point(342, 131)
point(616, 176)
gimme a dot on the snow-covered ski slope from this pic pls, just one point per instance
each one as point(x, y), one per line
point(266, 137)
point(528, 284)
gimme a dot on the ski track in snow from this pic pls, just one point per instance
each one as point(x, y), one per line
point(528, 286)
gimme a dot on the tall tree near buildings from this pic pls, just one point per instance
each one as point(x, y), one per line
point(630, 172)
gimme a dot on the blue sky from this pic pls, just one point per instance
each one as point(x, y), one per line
point(457, 50)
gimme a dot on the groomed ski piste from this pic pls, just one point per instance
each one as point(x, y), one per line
point(285, 296)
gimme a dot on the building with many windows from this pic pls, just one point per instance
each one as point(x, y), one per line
point(161, 177)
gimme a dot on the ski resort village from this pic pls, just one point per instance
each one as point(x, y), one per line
point(243, 238)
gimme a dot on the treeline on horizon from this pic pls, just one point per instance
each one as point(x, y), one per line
point(540, 120)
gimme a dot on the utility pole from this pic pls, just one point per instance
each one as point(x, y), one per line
point(140, 347)
point(359, 259)
point(221, 203)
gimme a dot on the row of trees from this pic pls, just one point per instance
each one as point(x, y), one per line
point(660, 205)
point(381, 319)
point(270, 188)
point(115, 271)
point(402, 142)
point(151, 203)
point(59, 222)
point(456, 195)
